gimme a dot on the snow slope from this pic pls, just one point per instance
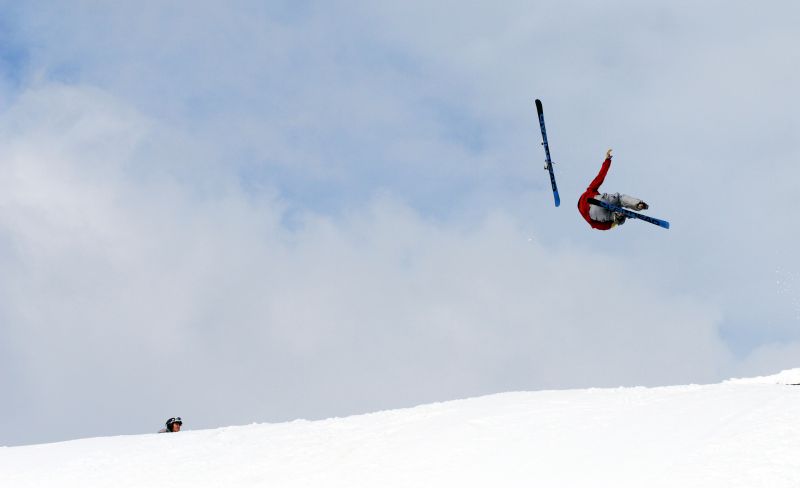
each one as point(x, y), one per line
point(737, 433)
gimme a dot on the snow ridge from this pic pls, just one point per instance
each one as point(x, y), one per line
point(785, 377)
point(736, 433)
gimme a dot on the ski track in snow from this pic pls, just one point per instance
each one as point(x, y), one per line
point(741, 433)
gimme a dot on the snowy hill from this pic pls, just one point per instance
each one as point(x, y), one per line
point(737, 433)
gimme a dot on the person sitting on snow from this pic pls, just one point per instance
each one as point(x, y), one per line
point(173, 425)
point(601, 218)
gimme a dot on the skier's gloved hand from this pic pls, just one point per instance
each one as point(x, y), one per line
point(608, 154)
point(642, 206)
point(618, 219)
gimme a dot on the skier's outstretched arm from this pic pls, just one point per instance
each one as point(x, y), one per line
point(601, 176)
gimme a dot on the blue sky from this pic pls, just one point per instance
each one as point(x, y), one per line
point(241, 212)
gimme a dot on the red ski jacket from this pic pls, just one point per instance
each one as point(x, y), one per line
point(591, 192)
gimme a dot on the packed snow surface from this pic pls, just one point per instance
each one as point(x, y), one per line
point(737, 433)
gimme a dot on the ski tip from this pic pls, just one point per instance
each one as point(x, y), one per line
point(539, 106)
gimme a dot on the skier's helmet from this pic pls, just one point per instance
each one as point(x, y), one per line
point(172, 421)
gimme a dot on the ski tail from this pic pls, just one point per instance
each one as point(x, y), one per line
point(629, 213)
point(555, 190)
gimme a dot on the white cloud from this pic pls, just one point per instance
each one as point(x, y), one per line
point(130, 296)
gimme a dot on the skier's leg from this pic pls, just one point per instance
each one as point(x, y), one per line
point(608, 215)
point(632, 202)
point(612, 198)
point(600, 214)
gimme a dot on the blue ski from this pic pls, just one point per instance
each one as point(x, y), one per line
point(548, 163)
point(630, 214)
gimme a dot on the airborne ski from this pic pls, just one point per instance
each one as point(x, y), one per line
point(548, 162)
point(629, 213)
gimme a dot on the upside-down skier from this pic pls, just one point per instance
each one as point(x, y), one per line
point(601, 218)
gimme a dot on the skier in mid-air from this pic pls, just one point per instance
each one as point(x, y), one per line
point(599, 217)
